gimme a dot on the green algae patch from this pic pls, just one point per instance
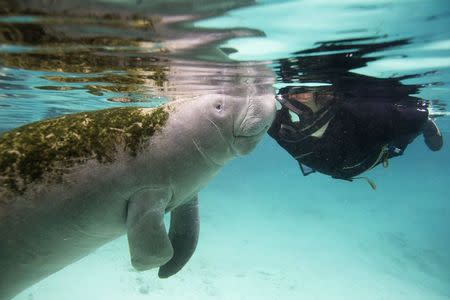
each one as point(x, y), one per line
point(52, 147)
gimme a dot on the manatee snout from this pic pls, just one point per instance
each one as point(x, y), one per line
point(253, 123)
point(258, 117)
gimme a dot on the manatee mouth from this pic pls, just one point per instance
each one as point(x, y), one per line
point(253, 132)
point(244, 144)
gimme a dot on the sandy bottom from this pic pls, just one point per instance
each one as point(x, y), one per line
point(269, 233)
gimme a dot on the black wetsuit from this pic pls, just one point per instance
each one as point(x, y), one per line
point(358, 136)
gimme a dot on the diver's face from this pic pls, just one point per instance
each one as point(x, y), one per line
point(306, 99)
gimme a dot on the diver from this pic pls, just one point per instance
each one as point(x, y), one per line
point(343, 139)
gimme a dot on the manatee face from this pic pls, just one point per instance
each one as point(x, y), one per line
point(233, 126)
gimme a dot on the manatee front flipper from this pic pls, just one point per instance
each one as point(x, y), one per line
point(149, 243)
point(183, 233)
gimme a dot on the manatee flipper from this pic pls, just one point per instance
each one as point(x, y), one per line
point(148, 241)
point(183, 233)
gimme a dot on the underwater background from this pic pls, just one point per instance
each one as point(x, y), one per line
point(267, 231)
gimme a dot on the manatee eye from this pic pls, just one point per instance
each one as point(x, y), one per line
point(219, 106)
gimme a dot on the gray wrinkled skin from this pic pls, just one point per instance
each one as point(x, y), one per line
point(52, 226)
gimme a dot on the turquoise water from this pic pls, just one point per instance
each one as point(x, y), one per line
point(267, 231)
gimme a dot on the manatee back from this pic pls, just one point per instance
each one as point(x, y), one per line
point(47, 150)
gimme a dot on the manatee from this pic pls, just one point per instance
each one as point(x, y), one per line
point(71, 184)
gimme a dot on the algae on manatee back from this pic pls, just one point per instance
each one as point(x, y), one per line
point(50, 146)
